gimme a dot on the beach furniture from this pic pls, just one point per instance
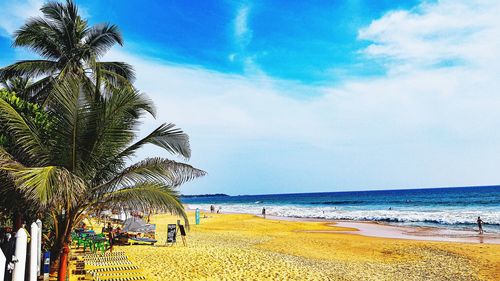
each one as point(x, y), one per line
point(142, 241)
point(110, 267)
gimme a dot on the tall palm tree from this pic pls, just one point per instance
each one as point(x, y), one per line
point(82, 164)
point(67, 45)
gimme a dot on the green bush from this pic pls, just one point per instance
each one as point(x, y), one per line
point(31, 111)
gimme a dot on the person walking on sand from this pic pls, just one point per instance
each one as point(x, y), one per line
point(212, 209)
point(264, 212)
point(111, 238)
point(480, 225)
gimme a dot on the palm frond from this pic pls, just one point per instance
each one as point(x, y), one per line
point(166, 136)
point(49, 185)
point(39, 91)
point(155, 169)
point(7, 161)
point(112, 123)
point(116, 73)
point(101, 37)
point(68, 106)
point(145, 197)
point(28, 138)
point(39, 35)
point(28, 68)
point(44, 185)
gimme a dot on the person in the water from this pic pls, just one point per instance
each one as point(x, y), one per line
point(480, 225)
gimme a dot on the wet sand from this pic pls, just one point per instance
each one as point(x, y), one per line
point(374, 229)
point(419, 233)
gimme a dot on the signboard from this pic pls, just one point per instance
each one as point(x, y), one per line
point(171, 231)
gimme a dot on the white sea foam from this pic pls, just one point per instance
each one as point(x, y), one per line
point(491, 216)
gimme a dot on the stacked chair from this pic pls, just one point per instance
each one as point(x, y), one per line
point(94, 263)
point(108, 267)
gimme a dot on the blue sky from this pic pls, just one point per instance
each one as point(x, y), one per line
point(302, 96)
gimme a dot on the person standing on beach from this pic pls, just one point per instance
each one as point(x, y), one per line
point(480, 225)
point(212, 209)
point(264, 212)
point(111, 238)
point(8, 248)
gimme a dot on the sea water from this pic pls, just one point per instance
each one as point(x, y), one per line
point(456, 208)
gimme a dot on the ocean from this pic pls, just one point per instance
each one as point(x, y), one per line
point(456, 208)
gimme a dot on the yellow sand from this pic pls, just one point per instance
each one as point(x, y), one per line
point(245, 247)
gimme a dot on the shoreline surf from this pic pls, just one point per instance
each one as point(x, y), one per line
point(387, 230)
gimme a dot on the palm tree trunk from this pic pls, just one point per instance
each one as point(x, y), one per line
point(60, 250)
point(17, 220)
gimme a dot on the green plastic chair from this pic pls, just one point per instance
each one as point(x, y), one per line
point(101, 246)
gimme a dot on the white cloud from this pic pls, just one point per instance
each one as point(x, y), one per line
point(15, 13)
point(449, 31)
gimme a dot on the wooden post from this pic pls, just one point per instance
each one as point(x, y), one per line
point(33, 252)
point(20, 255)
point(39, 250)
point(2, 265)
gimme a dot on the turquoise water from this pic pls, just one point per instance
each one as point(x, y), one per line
point(456, 208)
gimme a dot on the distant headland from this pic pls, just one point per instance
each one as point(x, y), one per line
point(204, 195)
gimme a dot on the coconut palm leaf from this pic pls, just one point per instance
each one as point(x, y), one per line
point(39, 36)
point(17, 84)
point(28, 138)
point(100, 38)
point(28, 68)
point(49, 185)
point(43, 185)
point(145, 197)
point(7, 161)
point(116, 72)
point(166, 136)
point(155, 169)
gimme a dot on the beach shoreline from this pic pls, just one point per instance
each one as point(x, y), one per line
point(387, 230)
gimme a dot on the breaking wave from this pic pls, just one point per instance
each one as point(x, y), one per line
point(444, 217)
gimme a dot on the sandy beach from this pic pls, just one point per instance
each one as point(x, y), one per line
point(246, 247)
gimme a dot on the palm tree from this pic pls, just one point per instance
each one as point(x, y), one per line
point(67, 45)
point(82, 164)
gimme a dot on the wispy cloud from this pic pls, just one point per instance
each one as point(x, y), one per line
point(243, 34)
point(15, 13)
point(241, 31)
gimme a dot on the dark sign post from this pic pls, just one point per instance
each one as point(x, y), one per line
point(183, 234)
point(171, 232)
